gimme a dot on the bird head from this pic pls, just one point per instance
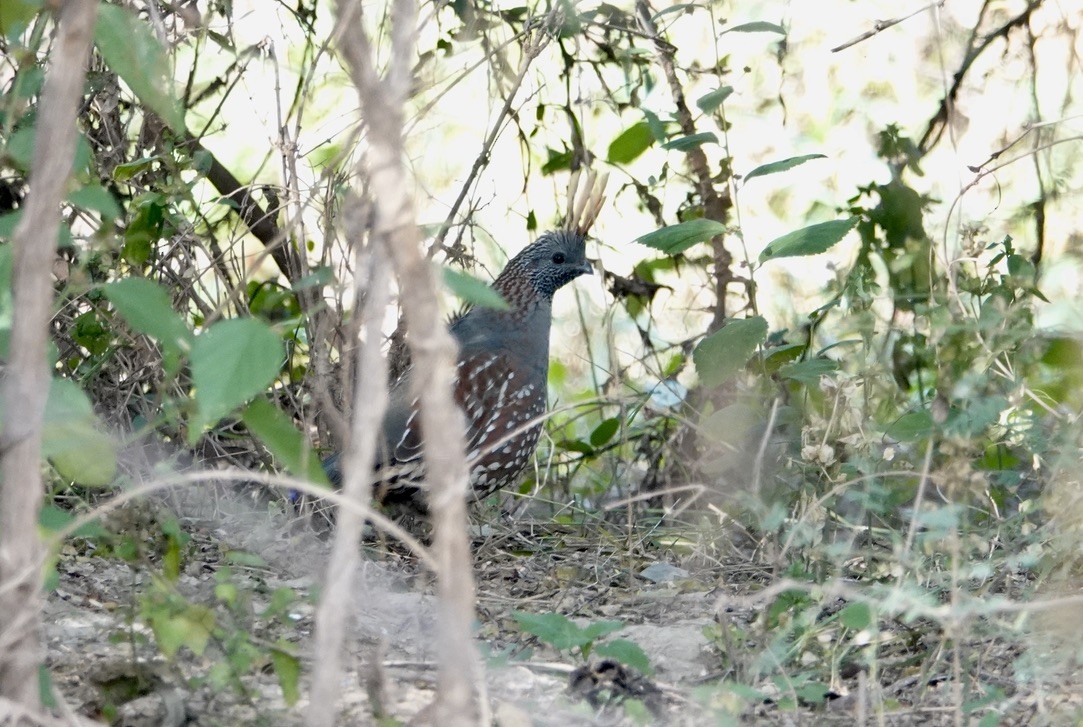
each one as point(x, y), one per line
point(547, 264)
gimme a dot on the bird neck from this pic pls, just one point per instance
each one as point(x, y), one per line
point(522, 332)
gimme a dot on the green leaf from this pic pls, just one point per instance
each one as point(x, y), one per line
point(15, 16)
point(147, 308)
point(124, 172)
point(604, 431)
point(473, 291)
point(627, 653)
point(53, 519)
point(98, 199)
point(810, 240)
point(856, 616)
point(288, 445)
point(708, 103)
point(130, 49)
point(74, 439)
point(782, 165)
point(560, 632)
point(288, 670)
point(719, 356)
point(557, 161)
point(678, 8)
point(144, 228)
point(576, 445)
point(191, 627)
point(655, 124)
point(813, 692)
point(90, 332)
point(911, 427)
point(758, 26)
point(20, 149)
point(685, 143)
point(808, 372)
point(630, 143)
point(231, 362)
point(675, 239)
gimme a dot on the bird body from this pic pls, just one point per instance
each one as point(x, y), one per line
point(500, 379)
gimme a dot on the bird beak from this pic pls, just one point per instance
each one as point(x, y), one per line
point(585, 268)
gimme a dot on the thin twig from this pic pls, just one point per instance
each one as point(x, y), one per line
point(531, 51)
point(370, 402)
point(882, 25)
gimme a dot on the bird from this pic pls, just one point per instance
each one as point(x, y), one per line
point(501, 373)
point(501, 376)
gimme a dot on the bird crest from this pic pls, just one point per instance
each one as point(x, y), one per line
point(586, 195)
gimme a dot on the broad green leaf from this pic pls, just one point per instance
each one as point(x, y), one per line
point(556, 161)
point(319, 277)
point(288, 670)
point(708, 103)
point(9, 221)
point(781, 165)
point(147, 308)
point(758, 26)
point(15, 15)
point(813, 692)
point(856, 616)
point(627, 653)
point(810, 240)
point(124, 172)
point(131, 50)
point(231, 362)
point(96, 198)
point(1020, 267)
point(20, 149)
point(53, 519)
point(576, 445)
point(473, 291)
point(560, 632)
point(808, 372)
point(719, 356)
point(912, 426)
point(73, 438)
point(597, 629)
point(192, 627)
point(775, 357)
point(630, 143)
point(604, 431)
point(288, 445)
point(684, 143)
point(676, 239)
point(655, 124)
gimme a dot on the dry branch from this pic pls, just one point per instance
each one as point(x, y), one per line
point(370, 402)
point(431, 346)
point(26, 382)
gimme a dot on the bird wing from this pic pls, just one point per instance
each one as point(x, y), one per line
point(494, 397)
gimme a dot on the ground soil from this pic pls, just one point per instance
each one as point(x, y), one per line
point(671, 598)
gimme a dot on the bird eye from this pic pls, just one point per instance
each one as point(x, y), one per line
point(558, 258)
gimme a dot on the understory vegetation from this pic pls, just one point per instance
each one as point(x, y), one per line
point(816, 414)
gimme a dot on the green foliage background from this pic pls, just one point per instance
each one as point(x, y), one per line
point(840, 294)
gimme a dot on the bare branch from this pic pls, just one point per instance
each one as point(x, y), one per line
point(370, 402)
point(432, 351)
point(881, 25)
point(26, 383)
